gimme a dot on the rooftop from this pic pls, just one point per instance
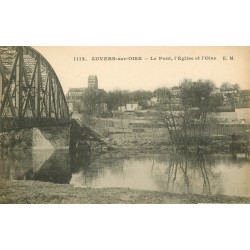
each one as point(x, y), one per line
point(92, 77)
point(76, 89)
point(244, 91)
point(132, 102)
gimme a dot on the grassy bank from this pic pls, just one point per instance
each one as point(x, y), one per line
point(31, 192)
point(142, 145)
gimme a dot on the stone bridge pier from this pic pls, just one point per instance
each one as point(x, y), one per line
point(51, 137)
point(42, 138)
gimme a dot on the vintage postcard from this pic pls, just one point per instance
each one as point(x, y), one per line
point(124, 125)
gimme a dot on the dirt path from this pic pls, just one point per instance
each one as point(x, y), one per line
point(31, 192)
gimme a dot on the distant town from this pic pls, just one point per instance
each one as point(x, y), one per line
point(234, 108)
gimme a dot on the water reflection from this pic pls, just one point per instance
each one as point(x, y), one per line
point(167, 172)
point(186, 173)
point(55, 169)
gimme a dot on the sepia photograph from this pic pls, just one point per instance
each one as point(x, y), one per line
point(124, 124)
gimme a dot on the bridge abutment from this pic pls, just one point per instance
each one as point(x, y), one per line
point(58, 136)
point(42, 138)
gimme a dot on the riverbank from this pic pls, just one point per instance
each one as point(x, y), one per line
point(35, 192)
point(157, 146)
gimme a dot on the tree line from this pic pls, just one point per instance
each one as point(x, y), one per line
point(93, 98)
point(115, 98)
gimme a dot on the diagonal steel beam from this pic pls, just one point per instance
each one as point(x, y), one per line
point(7, 89)
point(20, 82)
point(29, 97)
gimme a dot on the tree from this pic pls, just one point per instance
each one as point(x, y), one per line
point(169, 112)
point(141, 96)
point(186, 109)
point(93, 99)
point(226, 86)
point(198, 100)
point(117, 98)
point(163, 94)
point(229, 91)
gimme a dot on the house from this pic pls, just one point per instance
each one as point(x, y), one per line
point(176, 91)
point(74, 99)
point(153, 101)
point(132, 106)
point(122, 108)
point(243, 99)
point(243, 115)
point(75, 93)
point(70, 106)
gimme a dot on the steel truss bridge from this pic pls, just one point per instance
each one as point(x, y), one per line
point(30, 91)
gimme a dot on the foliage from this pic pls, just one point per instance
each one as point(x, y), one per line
point(186, 109)
point(163, 94)
point(93, 99)
point(118, 98)
point(229, 93)
point(228, 86)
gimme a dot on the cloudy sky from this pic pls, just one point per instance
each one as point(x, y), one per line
point(206, 63)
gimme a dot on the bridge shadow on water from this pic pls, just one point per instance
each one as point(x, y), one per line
point(166, 172)
point(48, 166)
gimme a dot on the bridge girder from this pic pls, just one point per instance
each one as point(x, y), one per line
point(30, 91)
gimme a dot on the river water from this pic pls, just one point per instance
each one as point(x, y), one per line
point(176, 173)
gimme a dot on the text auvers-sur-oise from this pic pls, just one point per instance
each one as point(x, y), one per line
point(139, 58)
point(109, 58)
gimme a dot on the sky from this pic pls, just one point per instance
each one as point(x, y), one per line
point(152, 71)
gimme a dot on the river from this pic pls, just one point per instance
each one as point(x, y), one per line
point(167, 172)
